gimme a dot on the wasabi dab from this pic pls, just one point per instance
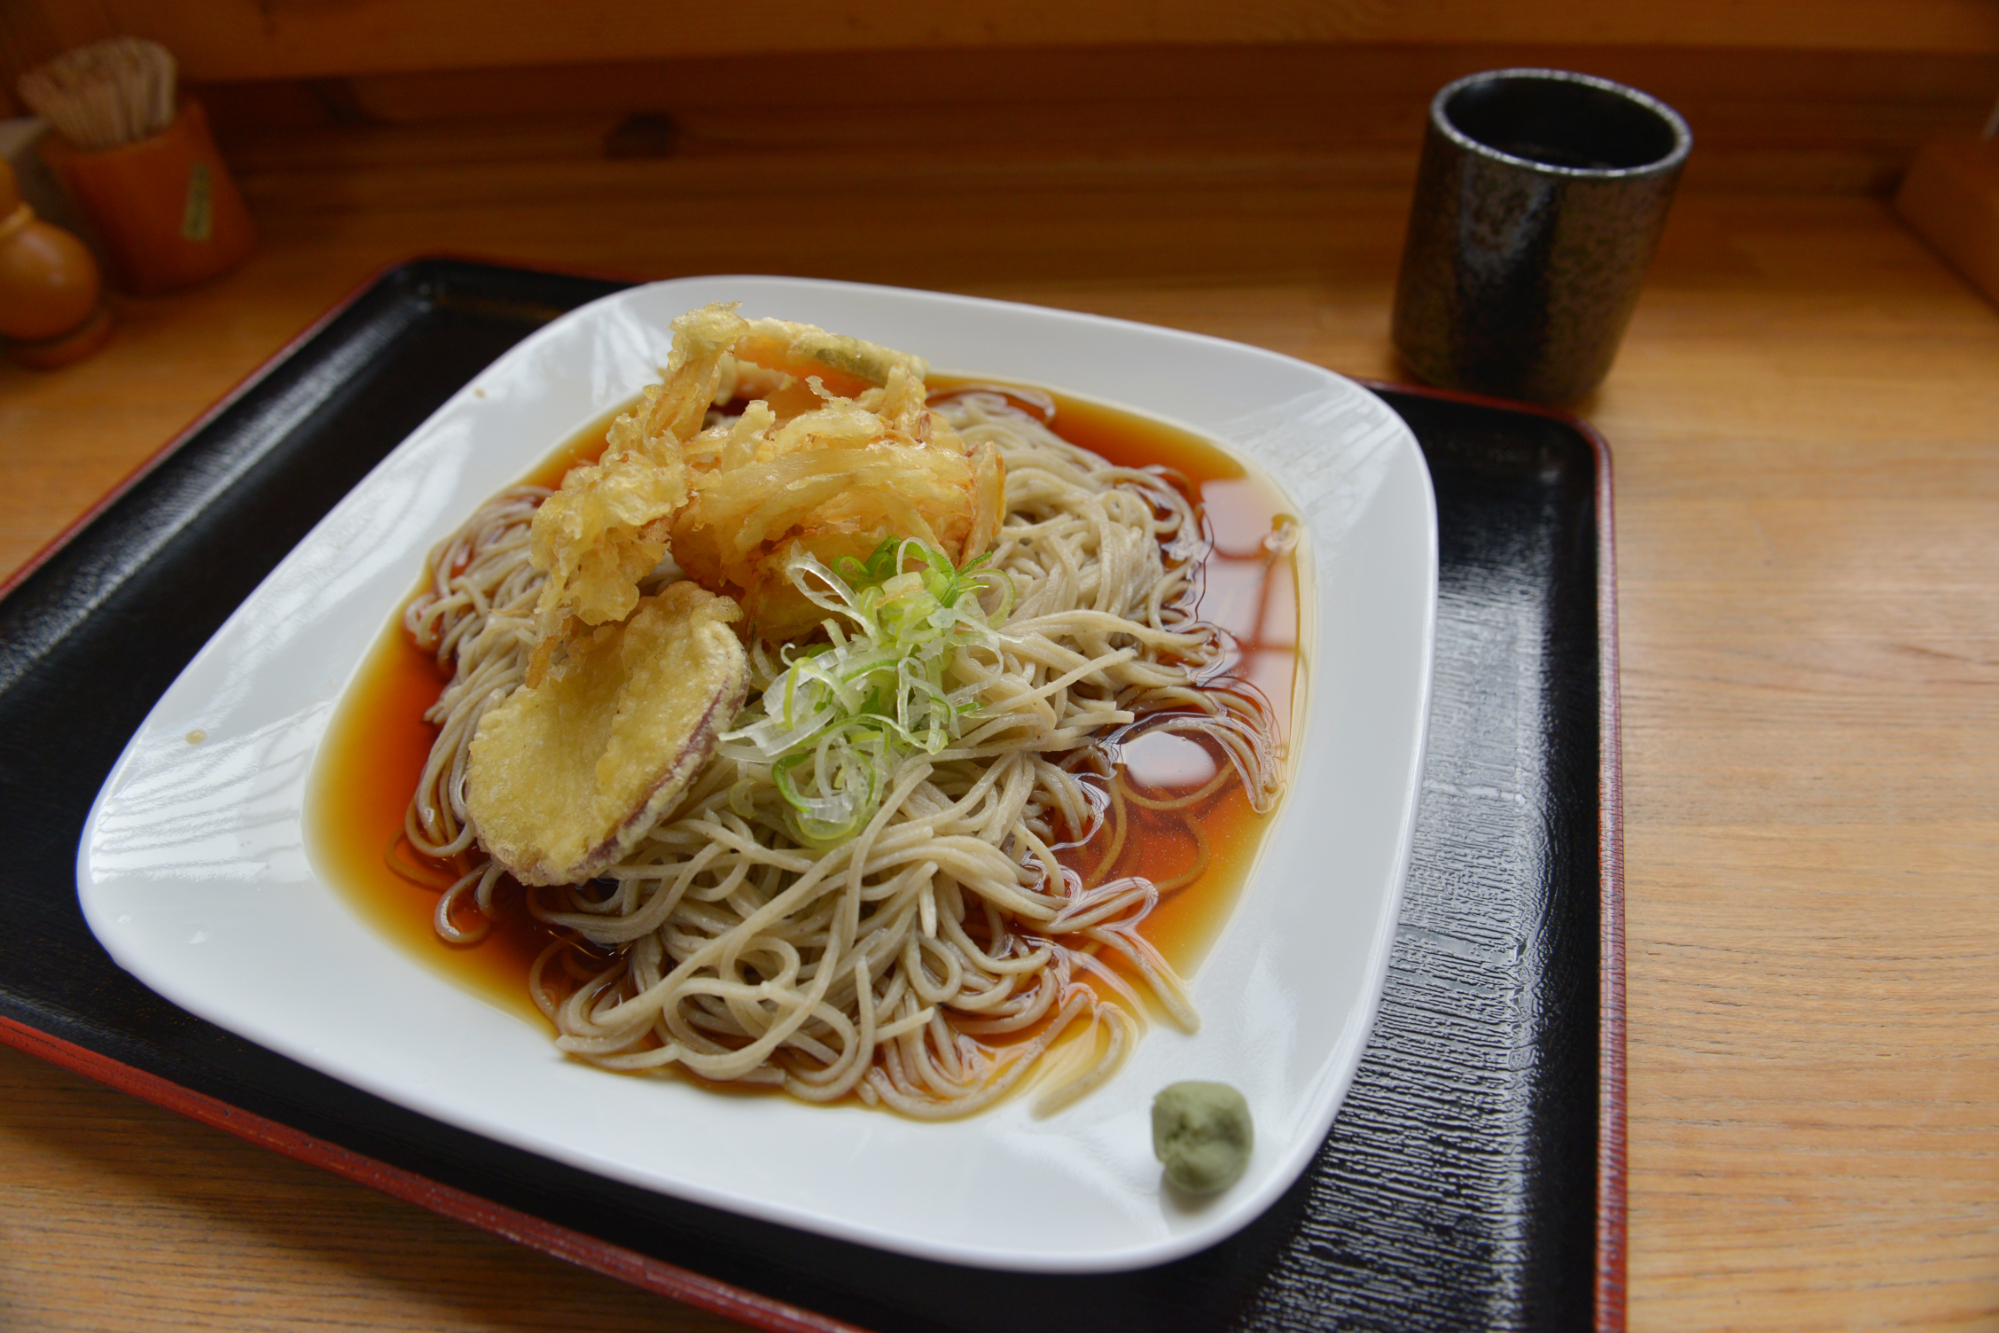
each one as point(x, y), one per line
point(1202, 1134)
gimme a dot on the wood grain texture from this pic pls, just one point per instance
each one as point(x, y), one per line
point(256, 39)
point(1951, 197)
point(1806, 426)
point(1783, 120)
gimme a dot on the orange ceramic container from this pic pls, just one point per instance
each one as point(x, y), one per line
point(166, 207)
point(49, 293)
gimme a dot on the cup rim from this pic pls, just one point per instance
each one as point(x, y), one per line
point(1683, 138)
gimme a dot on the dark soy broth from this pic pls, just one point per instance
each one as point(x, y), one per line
point(377, 742)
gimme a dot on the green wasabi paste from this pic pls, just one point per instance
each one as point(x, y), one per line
point(1201, 1132)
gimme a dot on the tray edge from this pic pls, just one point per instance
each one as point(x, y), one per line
point(262, 371)
point(1611, 1179)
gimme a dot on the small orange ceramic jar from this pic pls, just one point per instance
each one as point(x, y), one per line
point(49, 287)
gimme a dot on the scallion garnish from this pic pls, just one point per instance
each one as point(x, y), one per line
point(843, 714)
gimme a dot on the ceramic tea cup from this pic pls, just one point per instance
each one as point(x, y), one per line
point(1540, 197)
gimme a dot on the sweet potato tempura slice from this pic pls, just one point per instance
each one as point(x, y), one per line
point(566, 776)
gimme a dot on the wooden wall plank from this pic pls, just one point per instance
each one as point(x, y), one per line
point(1334, 79)
point(1785, 121)
point(253, 39)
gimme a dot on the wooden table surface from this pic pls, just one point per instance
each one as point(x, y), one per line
point(1805, 421)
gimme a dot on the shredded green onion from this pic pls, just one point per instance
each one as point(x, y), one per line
point(843, 714)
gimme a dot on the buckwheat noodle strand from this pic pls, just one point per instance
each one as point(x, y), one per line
point(935, 960)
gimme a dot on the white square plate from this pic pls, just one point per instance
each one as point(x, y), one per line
point(194, 873)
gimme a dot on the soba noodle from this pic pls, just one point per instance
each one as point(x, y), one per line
point(932, 961)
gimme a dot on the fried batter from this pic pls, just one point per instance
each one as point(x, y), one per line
point(836, 451)
point(605, 529)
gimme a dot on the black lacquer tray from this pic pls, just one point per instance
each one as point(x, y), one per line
point(1474, 1177)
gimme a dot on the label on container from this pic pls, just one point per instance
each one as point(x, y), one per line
point(197, 218)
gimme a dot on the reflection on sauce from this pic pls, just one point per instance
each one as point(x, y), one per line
point(377, 743)
point(1250, 590)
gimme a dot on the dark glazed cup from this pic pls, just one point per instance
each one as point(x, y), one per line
point(1540, 198)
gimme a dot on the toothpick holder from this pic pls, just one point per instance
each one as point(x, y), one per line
point(166, 207)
